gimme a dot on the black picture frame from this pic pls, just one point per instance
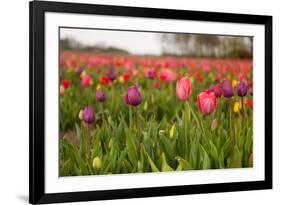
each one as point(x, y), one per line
point(37, 10)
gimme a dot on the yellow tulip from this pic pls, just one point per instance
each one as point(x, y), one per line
point(145, 106)
point(121, 79)
point(83, 73)
point(212, 76)
point(236, 107)
point(172, 132)
point(97, 163)
point(234, 83)
point(80, 115)
point(98, 86)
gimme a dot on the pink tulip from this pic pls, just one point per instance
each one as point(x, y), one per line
point(86, 80)
point(206, 102)
point(167, 75)
point(183, 88)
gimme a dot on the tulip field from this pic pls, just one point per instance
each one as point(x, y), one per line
point(122, 113)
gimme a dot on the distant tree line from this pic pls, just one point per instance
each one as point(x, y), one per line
point(71, 44)
point(200, 45)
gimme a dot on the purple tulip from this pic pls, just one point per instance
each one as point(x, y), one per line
point(89, 115)
point(212, 88)
point(100, 96)
point(133, 96)
point(78, 70)
point(150, 74)
point(111, 74)
point(242, 88)
point(227, 89)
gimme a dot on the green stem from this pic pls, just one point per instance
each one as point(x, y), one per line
point(112, 96)
point(102, 110)
point(187, 130)
point(230, 124)
point(88, 144)
point(242, 111)
point(138, 129)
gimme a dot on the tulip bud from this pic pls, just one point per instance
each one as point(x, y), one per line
point(62, 89)
point(145, 106)
point(227, 89)
point(80, 115)
point(150, 74)
point(100, 96)
point(140, 167)
point(172, 130)
point(183, 88)
point(133, 96)
point(234, 83)
point(162, 132)
point(218, 91)
point(97, 163)
point(214, 124)
point(104, 79)
point(78, 70)
point(86, 80)
point(242, 88)
point(65, 84)
point(206, 102)
point(251, 91)
point(249, 103)
point(89, 115)
point(212, 88)
point(111, 74)
point(83, 73)
point(237, 107)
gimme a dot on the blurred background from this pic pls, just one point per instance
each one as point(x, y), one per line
point(159, 44)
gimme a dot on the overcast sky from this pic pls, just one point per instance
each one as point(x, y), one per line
point(134, 42)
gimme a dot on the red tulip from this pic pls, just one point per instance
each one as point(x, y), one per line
point(218, 91)
point(126, 77)
point(65, 84)
point(156, 85)
point(183, 88)
point(249, 103)
point(206, 102)
point(104, 79)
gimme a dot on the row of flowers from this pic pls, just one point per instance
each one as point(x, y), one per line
point(207, 100)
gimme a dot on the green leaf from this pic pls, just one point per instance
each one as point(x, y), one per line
point(65, 168)
point(183, 164)
point(152, 165)
point(121, 158)
point(169, 150)
point(165, 167)
point(206, 164)
point(82, 141)
point(221, 160)
point(77, 158)
point(214, 153)
point(235, 159)
point(194, 155)
point(131, 149)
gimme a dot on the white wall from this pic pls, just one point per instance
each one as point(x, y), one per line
point(14, 99)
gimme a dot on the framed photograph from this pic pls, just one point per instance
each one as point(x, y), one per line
point(141, 102)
